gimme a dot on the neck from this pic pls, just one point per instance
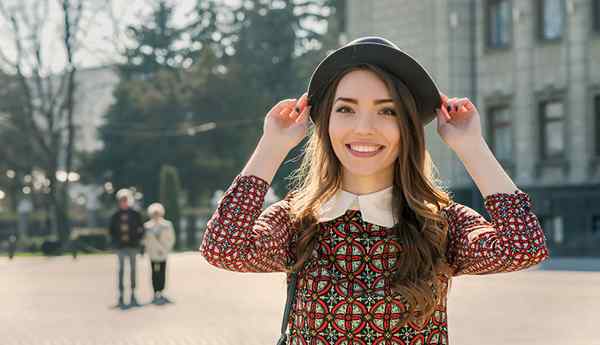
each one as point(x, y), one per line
point(366, 184)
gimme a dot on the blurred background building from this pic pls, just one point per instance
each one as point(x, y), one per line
point(164, 98)
point(533, 69)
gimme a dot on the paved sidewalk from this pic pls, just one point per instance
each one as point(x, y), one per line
point(61, 301)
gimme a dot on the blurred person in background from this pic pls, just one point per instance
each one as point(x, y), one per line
point(159, 239)
point(12, 246)
point(126, 230)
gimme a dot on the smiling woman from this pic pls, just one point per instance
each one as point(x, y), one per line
point(369, 240)
point(364, 128)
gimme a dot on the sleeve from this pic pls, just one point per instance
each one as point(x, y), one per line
point(139, 225)
point(112, 229)
point(169, 238)
point(239, 237)
point(145, 239)
point(513, 240)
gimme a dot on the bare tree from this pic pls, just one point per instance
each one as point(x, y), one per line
point(46, 87)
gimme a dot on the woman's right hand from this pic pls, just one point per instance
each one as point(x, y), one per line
point(287, 122)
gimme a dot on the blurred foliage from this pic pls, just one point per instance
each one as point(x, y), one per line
point(194, 96)
point(169, 197)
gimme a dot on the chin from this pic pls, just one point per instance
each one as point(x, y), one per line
point(364, 170)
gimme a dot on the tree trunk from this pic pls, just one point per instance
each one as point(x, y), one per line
point(191, 223)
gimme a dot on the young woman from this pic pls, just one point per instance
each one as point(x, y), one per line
point(159, 239)
point(372, 236)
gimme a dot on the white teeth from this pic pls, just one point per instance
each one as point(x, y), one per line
point(364, 148)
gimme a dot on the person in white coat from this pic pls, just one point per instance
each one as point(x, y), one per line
point(158, 242)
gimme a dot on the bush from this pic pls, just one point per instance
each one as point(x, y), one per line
point(87, 242)
point(51, 248)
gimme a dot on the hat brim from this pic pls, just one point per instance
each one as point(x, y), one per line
point(394, 61)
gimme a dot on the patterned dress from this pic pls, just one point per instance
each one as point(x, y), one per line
point(343, 293)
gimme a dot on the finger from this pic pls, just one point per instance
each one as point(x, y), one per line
point(289, 114)
point(282, 104)
point(304, 115)
point(458, 108)
point(297, 110)
point(448, 104)
point(466, 103)
point(444, 97)
point(286, 111)
point(452, 100)
point(449, 107)
point(446, 114)
point(441, 119)
point(452, 105)
point(302, 102)
point(294, 113)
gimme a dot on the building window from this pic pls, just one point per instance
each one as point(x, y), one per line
point(596, 225)
point(552, 129)
point(499, 25)
point(553, 228)
point(596, 15)
point(342, 15)
point(501, 133)
point(551, 19)
point(597, 124)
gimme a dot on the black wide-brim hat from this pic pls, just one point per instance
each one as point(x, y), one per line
point(383, 54)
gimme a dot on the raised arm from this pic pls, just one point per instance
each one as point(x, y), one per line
point(513, 240)
point(240, 236)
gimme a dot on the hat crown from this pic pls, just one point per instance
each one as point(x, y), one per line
point(373, 40)
point(377, 51)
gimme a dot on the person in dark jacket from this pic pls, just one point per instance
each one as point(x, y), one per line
point(127, 231)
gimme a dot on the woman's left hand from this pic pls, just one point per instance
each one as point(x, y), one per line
point(458, 123)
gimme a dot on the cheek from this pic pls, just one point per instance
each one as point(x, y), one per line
point(336, 130)
point(392, 135)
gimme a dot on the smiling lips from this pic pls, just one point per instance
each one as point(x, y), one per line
point(364, 150)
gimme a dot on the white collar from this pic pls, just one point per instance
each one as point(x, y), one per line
point(375, 208)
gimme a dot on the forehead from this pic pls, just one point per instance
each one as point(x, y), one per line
point(362, 85)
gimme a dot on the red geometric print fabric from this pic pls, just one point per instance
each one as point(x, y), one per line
point(343, 293)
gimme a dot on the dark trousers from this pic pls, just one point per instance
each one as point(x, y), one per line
point(129, 254)
point(159, 270)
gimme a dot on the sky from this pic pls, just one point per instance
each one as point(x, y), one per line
point(102, 38)
point(98, 43)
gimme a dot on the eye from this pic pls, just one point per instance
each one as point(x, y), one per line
point(388, 111)
point(343, 109)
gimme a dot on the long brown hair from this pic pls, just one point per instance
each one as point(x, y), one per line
point(417, 199)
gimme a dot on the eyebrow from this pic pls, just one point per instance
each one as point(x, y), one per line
point(354, 101)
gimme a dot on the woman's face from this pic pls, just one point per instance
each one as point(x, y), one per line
point(363, 128)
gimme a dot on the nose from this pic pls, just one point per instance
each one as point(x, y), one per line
point(365, 124)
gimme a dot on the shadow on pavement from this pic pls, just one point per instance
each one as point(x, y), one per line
point(124, 307)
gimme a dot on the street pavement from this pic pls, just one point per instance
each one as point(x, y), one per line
point(61, 301)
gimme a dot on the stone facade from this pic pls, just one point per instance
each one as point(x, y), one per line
point(452, 39)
